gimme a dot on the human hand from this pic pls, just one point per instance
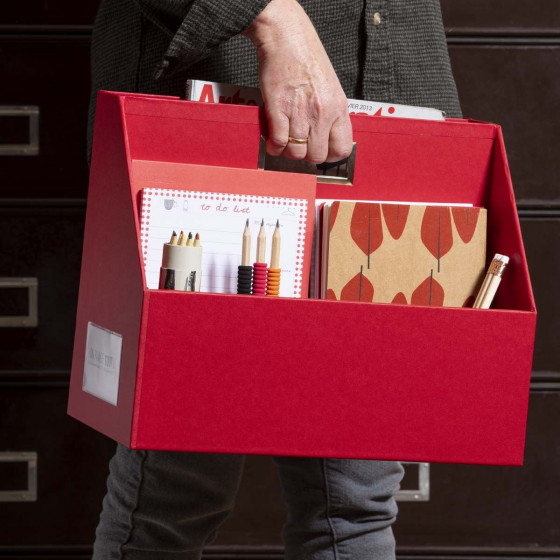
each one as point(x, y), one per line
point(302, 95)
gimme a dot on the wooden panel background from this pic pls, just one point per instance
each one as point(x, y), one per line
point(38, 15)
point(44, 243)
point(505, 57)
point(493, 18)
point(516, 87)
point(51, 72)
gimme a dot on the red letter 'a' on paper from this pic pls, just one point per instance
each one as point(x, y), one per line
point(334, 211)
point(400, 298)
point(207, 94)
point(357, 289)
point(331, 295)
point(465, 221)
point(365, 227)
point(429, 292)
point(395, 218)
point(436, 231)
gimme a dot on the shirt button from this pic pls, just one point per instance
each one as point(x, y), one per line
point(376, 18)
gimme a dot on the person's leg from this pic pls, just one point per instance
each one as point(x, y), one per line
point(339, 509)
point(165, 505)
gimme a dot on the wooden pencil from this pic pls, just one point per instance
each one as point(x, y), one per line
point(275, 253)
point(261, 244)
point(246, 251)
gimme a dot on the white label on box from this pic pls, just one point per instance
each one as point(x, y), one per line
point(102, 364)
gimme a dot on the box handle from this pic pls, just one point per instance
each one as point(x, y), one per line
point(30, 493)
point(21, 111)
point(334, 173)
point(420, 494)
point(32, 317)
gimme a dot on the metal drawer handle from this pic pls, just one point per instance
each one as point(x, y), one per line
point(32, 317)
point(32, 147)
point(420, 494)
point(339, 172)
point(30, 493)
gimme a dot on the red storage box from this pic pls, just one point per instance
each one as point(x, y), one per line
point(295, 376)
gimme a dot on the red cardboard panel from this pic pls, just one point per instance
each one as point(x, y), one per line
point(395, 157)
point(504, 236)
point(189, 132)
point(111, 278)
point(418, 161)
point(389, 382)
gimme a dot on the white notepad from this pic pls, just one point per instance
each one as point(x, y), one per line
point(219, 219)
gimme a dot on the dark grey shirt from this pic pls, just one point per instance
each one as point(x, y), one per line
point(381, 50)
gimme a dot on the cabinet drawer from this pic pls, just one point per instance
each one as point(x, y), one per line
point(541, 237)
point(515, 87)
point(44, 246)
point(50, 76)
point(474, 17)
point(72, 468)
point(53, 12)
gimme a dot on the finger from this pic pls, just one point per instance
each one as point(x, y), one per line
point(318, 144)
point(340, 139)
point(278, 128)
point(298, 130)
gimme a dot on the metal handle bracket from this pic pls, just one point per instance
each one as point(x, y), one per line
point(420, 494)
point(338, 172)
point(32, 317)
point(30, 493)
point(32, 146)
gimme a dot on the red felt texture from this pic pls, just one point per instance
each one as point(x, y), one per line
point(276, 377)
point(111, 276)
point(504, 236)
point(420, 161)
point(305, 377)
point(224, 136)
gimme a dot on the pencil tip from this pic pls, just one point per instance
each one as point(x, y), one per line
point(247, 223)
point(174, 233)
point(190, 234)
point(278, 223)
point(197, 236)
point(262, 223)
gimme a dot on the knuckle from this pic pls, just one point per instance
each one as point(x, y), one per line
point(277, 141)
point(336, 153)
point(316, 158)
point(294, 154)
point(346, 151)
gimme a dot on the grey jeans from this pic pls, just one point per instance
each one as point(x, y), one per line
point(169, 505)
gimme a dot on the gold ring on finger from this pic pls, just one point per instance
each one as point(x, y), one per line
point(293, 140)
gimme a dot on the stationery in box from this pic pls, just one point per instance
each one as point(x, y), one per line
point(300, 376)
point(401, 253)
point(216, 202)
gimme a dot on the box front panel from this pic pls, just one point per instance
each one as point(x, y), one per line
point(310, 378)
